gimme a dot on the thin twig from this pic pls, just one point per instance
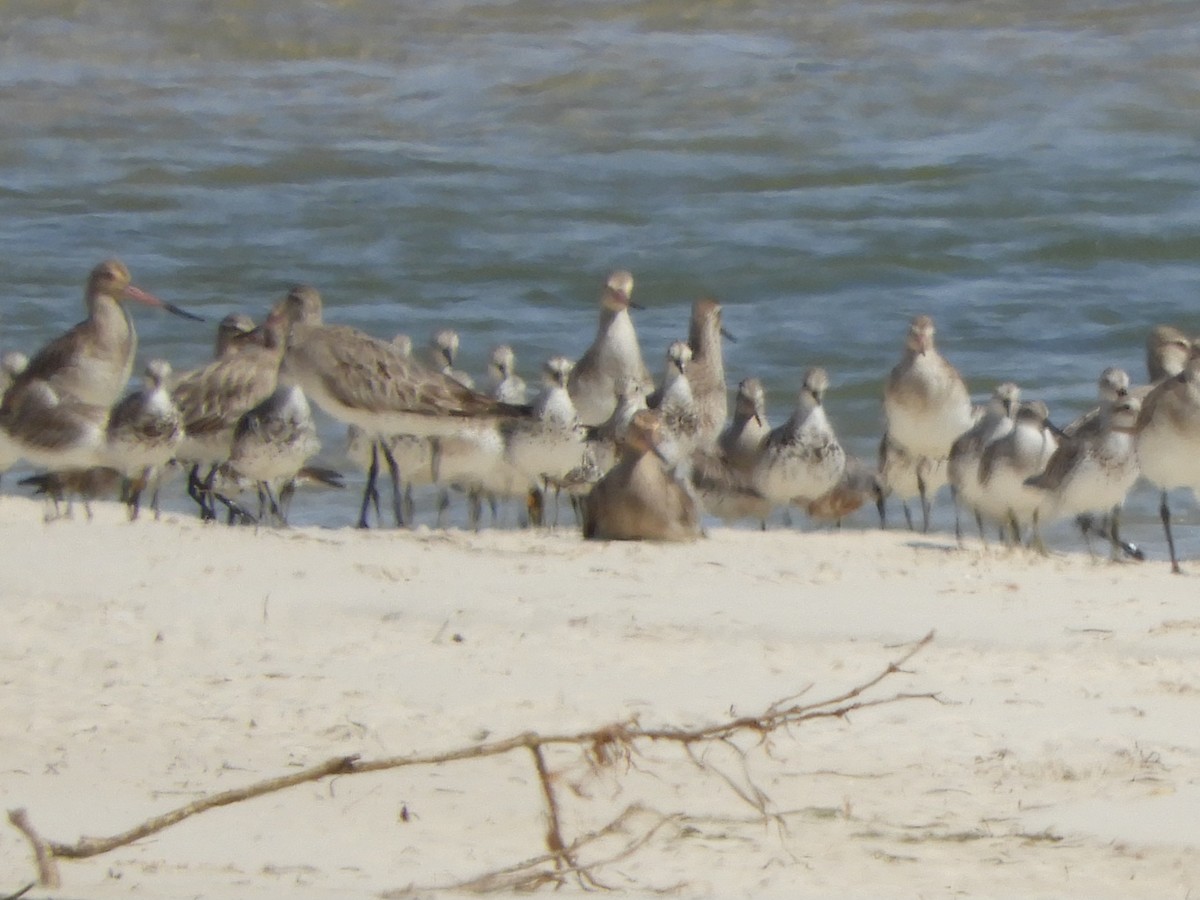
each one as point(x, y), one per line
point(531, 873)
point(22, 892)
point(43, 855)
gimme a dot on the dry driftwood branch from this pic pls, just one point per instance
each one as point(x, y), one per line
point(21, 893)
point(602, 746)
point(47, 852)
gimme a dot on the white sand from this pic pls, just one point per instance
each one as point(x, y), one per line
point(143, 665)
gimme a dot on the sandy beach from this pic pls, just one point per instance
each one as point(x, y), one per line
point(146, 664)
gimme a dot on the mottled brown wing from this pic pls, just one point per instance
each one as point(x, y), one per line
point(1089, 423)
point(363, 372)
point(710, 472)
point(215, 397)
point(45, 363)
point(50, 427)
point(1063, 460)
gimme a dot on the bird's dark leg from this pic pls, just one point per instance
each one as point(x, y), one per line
point(397, 496)
point(369, 492)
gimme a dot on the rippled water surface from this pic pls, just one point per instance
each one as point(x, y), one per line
point(1027, 173)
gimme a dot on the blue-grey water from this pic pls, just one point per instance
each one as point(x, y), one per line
point(1026, 173)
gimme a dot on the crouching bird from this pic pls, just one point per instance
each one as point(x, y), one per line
point(642, 497)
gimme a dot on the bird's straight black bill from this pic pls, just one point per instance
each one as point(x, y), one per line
point(182, 313)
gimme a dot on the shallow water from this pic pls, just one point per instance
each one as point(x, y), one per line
point(1028, 176)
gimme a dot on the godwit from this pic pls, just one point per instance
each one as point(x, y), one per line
point(406, 453)
point(965, 453)
point(363, 381)
point(640, 498)
point(233, 332)
point(413, 456)
point(214, 398)
point(614, 355)
point(926, 405)
point(92, 361)
point(144, 431)
point(801, 460)
point(1168, 434)
point(52, 431)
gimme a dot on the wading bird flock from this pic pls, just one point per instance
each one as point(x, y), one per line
point(638, 460)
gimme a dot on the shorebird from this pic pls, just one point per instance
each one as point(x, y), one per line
point(724, 492)
point(614, 355)
point(361, 380)
point(507, 385)
point(443, 351)
point(86, 484)
point(1007, 463)
point(905, 476)
point(724, 476)
point(801, 460)
point(705, 371)
point(407, 453)
point(91, 361)
point(1090, 473)
point(212, 400)
point(1168, 435)
point(144, 430)
point(741, 441)
point(52, 430)
point(1167, 351)
point(677, 403)
point(413, 456)
point(474, 462)
point(12, 364)
point(926, 405)
point(858, 483)
point(232, 332)
point(552, 445)
point(271, 443)
point(1112, 387)
point(962, 466)
point(605, 439)
point(641, 498)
